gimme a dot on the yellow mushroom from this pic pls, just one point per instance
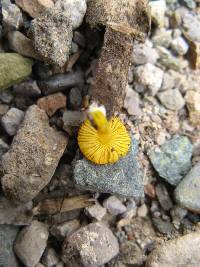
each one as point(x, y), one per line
point(103, 141)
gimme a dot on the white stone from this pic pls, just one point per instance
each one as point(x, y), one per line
point(158, 9)
point(179, 46)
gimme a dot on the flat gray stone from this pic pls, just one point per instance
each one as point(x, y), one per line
point(122, 178)
point(173, 159)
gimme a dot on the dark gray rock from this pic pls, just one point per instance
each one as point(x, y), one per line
point(122, 178)
point(3, 147)
point(187, 193)
point(75, 98)
point(7, 237)
point(162, 226)
point(173, 159)
point(27, 88)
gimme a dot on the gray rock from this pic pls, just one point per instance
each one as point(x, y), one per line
point(31, 243)
point(50, 258)
point(187, 193)
point(189, 3)
point(3, 109)
point(33, 157)
point(172, 99)
point(6, 96)
point(11, 120)
point(71, 120)
point(163, 227)
point(132, 102)
point(182, 251)
point(96, 212)
point(122, 178)
point(173, 160)
point(163, 197)
point(7, 237)
point(13, 69)
point(65, 229)
point(162, 37)
point(94, 245)
point(191, 24)
point(75, 98)
point(179, 46)
point(52, 37)
point(28, 88)
point(168, 82)
point(149, 76)
point(114, 205)
point(12, 15)
point(3, 147)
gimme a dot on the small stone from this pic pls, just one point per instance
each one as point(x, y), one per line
point(31, 161)
point(172, 99)
point(124, 176)
point(183, 251)
point(50, 258)
point(71, 120)
point(173, 160)
point(179, 46)
point(168, 82)
point(6, 96)
point(94, 243)
point(149, 76)
point(142, 211)
point(114, 205)
point(52, 37)
point(7, 236)
point(158, 9)
point(65, 229)
point(35, 7)
point(3, 109)
point(12, 16)
point(74, 10)
point(52, 103)
point(187, 192)
point(192, 99)
point(28, 88)
point(11, 120)
point(75, 98)
point(96, 211)
point(22, 45)
point(132, 102)
point(189, 3)
point(191, 24)
point(162, 37)
point(163, 197)
point(13, 69)
point(163, 227)
point(31, 243)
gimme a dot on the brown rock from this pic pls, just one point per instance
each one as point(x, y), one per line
point(33, 157)
point(183, 251)
point(192, 99)
point(52, 103)
point(34, 7)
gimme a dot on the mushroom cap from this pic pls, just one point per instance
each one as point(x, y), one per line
point(103, 147)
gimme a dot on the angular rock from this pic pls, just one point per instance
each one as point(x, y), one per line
point(168, 82)
point(65, 229)
point(142, 211)
point(50, 258)
point(192, 99)
point(28, 88)
point(11, 120)
point(7, 237)
point(173, 159)
point(33, 157)
point(93, 245)
point(187, 192)
point(179, 46)
point(72, 120)
point(149, 76)
point(35, 7)
point(122, 178)
point(31, 243)
point(132, 102)
point(52, 37)
point(96, 211)
point(12, 16)
point(183, 251)
point(162, 37)
point(13, 69)
point(114, 205)
point(163, 227)
point(52, 103)
point(22, 45)
point(158, 9)
point(172, 99)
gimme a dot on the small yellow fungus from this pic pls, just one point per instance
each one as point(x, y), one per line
point(103, 141)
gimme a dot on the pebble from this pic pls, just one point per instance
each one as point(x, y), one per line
point(12, 120)
point(3, 109)
point(192, 99)
point(35, 7)
point(168, 82)
point(75, 98)
point(149, 76)
point(52, 103)
point(3, 147)
point(173, 159)
point(31, 243)
point(96, 212)
point(50, 258)
point(114, 205)
point(65, 229)
point(182, 251)
point(95, 244)
point(14, 68)
point(187, 192)
point(172, 99)
point(52, 37)
point(6, 96)
point(31, 161)
point(124, 176)
point(61, 82)
point(74, 10)
point(163, 197)
point(179, 46)
point(12, 15)
point(162, 226)
point(132, 102)
point(158, 9)
point(72, 120)
point(142, 211)
point(28, 88)
point(7, 236)
point(19, 43)
point(162, 37)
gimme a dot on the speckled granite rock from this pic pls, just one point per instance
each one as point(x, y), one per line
point(122, 178)
point(173, 159)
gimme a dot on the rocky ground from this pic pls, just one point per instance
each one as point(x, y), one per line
point(58, 209)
